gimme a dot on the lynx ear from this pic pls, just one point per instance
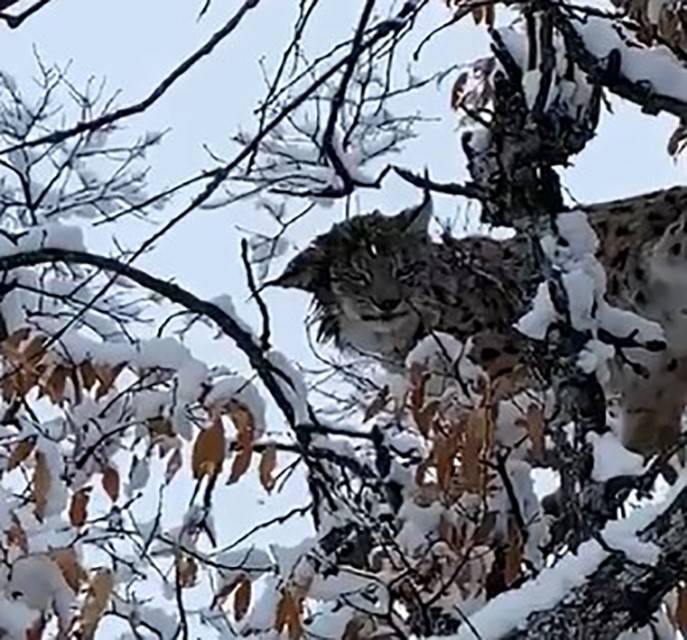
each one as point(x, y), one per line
point(416, 219)
point(305, 271)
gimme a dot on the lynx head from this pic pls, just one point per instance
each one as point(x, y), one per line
point(367, 276)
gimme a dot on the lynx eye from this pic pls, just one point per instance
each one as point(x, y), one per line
point(359, 277)
point(405, 273)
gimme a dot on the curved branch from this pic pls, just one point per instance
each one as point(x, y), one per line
point(109, 118)
point(607, 72)
point(15, 21)
point(621, 592)
point(244, 340)
point(469, 190)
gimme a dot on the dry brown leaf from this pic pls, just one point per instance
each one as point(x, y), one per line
point(10, 345)
point(444, 455)
point(73, 573)
point(110, 483)
point(268, 462)
point(78, 506)
point(96, 603)
point(489, 15)
point(55, 384)
point(16, 535)
point(22, 450)
point(475, 438)
point(483, 533)
point(41, 484)
point(353, 629)
point(681, 609)
point(23, 381)
point(161, 427)
point(88, 374)
point(33, 351)
point(424, 417)
point(421, 472)
point(242, 598)
point(226, 591)
point(241, 464)
point(187, 571)
point(450, 534)
point(209, 450)
point(245, 424)
point(288, 615)
point(35, 631)
point(535, 430)
point(106, 377)
point(418, 377)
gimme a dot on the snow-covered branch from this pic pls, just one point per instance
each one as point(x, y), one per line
point(613, 583)
point(652, 77)
point(275, 379)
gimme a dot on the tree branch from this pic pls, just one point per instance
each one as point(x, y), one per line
point(613, 79)
point(619, 594)
point(14, 21)
point(109, 118)
point(243, 339)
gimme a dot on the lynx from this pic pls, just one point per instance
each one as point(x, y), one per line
point(380, 283)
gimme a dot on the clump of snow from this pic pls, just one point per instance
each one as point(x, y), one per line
point(292, 384)
point(511, 609)
point(571, 251)
point(657, 66)
point(16, 618)
point(611, 459)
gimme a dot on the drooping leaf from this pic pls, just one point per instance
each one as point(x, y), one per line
point(96, 603)
point(107, 376)
point(187, 570)
point(242, 598)
point(244, 422)
point(21, 451)
point(78, 506)
point(241, 464)
point(110, 482)
point(73, 573)
point(268, 462)
point(289, 616)
point(681, 610)
point(209, 450)
point(42, 481)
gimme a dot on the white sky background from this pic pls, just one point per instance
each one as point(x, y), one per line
point(135, 43)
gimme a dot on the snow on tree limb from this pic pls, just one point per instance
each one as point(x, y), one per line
point(271, 376)
point(651, 77)
point(613, 583)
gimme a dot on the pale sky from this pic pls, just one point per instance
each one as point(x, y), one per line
point(134, 43)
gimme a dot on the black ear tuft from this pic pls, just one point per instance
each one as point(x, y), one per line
point(416, 219)
point(305, 271)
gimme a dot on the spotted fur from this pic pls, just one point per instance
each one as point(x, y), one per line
point(379, 284)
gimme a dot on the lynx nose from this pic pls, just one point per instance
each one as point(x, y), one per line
point(388, 305)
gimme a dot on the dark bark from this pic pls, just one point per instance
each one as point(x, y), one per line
point(620, 594)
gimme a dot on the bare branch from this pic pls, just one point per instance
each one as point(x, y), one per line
point(162, 88)
point(620, 593)
point(15, 21)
